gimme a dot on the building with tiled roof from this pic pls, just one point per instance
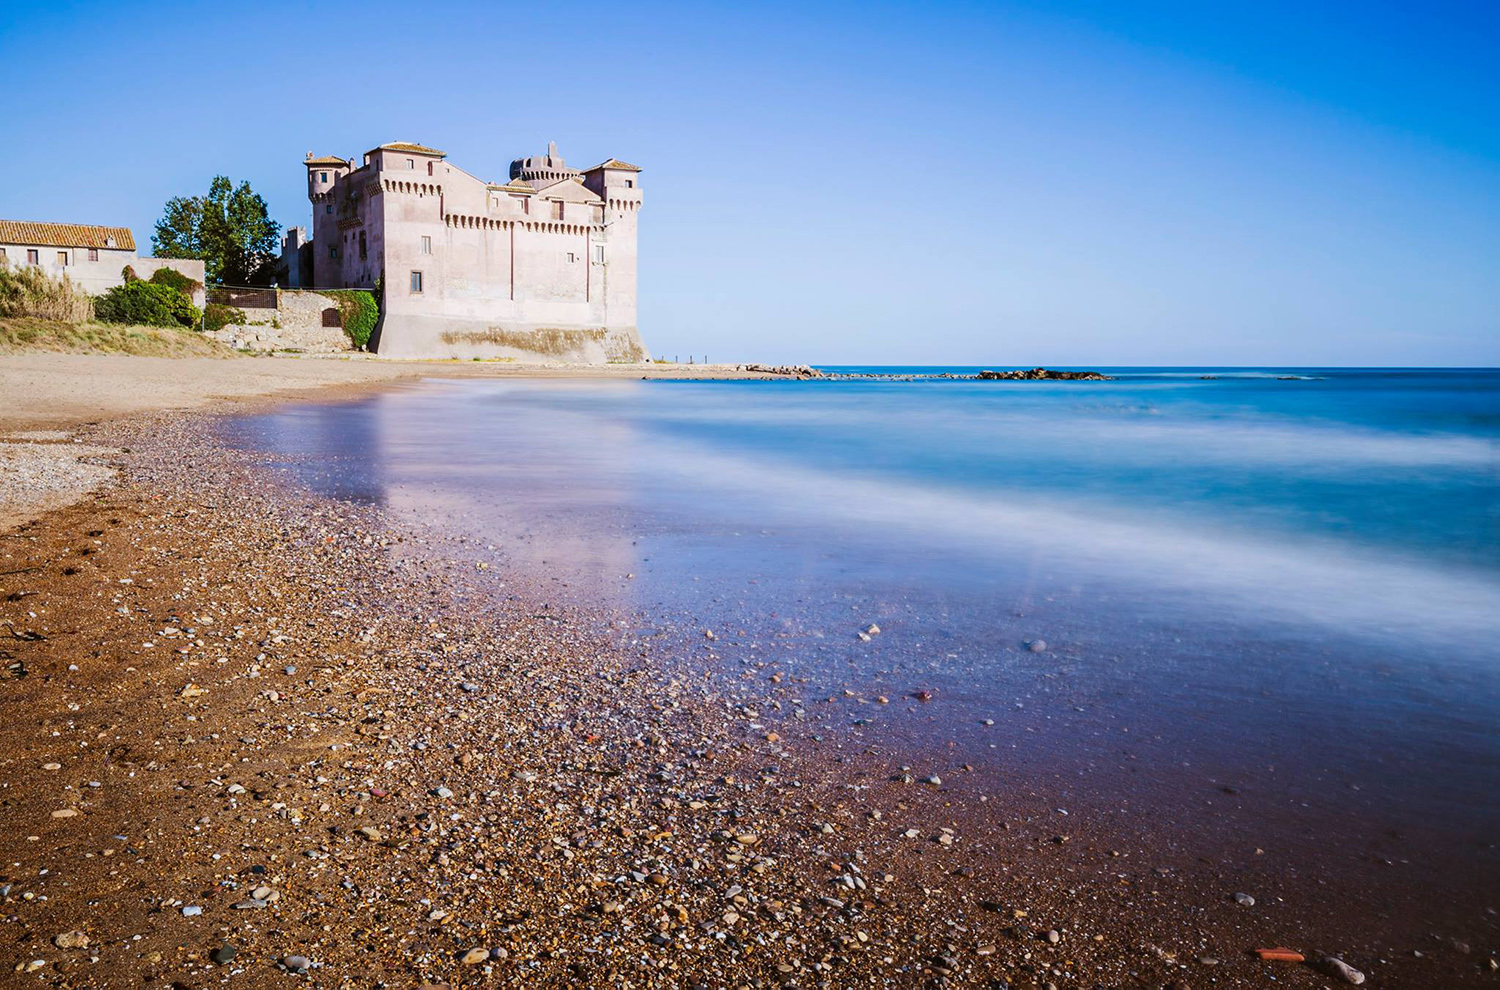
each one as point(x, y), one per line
point(69, 235)
point(92, 256)
point(543, 264)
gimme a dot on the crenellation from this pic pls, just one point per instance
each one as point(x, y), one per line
point(469, 266)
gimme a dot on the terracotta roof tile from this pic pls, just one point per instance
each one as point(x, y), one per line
point(615, 163)
point(325, 160)
point(416, 149)
point(65, 235)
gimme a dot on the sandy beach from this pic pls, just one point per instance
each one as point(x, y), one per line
point(49, 391)
point(255, 736)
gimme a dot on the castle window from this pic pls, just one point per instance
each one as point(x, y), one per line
point(362, 246)
point(629, 183)
point(33, 256)
point(416, 283)
point(572, 257)
point(333, 252)
point(328, 208)
point(93, 254)
point(426, 245)
point(429, 168)
point(322, 176)
point(62, 258)
point(411, 164)
point(598, 254)
point(557, 210)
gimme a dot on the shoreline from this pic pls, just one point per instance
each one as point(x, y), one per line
point(607, 803)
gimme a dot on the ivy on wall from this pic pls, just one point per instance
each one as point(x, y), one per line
point(357, 311)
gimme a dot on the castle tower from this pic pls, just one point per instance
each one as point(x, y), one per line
point(323, 175)
point(543, 170)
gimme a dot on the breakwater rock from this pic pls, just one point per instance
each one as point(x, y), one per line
point(1043, 374)
point(789, 370)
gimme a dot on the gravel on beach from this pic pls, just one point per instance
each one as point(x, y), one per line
point(257, 737)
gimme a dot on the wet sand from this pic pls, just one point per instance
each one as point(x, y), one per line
point(246, 730)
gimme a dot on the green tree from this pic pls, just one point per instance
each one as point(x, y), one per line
point(229, 229)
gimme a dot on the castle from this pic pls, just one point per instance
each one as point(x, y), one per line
point(542, 265)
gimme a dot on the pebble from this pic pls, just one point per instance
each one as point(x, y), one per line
point(65, 813)
point(1338, 969)
point(475, 956)
point(1037, 646)
point(1244, 900)
point(469, 687)
point(71, 940)
point(223, 955)
point(192, 911)
point(1054, 936)
point(296, 964)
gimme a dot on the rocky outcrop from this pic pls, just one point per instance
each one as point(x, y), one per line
point(789, 370)
point(1043, 375)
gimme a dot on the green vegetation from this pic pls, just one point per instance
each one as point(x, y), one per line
point(28, 291)
point(175, 279)
point(23, 333)
point(229, 230)
point(217, 316)
point(357, 312)
point(147, 304)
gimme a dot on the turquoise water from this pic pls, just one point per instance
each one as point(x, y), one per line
point(1287, 579)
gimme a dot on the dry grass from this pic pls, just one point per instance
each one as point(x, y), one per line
point(28, 291)
point(24, 333)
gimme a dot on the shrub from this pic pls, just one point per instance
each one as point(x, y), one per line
point(177, 280)
point(358, 312)
point(146, 303)
point(29, 291)
point(217, 316)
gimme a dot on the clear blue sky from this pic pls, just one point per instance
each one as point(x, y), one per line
point(1000, 183)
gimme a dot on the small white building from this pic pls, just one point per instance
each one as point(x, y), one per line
point(92, 257)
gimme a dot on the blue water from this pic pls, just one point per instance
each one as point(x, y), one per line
point(1284, 578)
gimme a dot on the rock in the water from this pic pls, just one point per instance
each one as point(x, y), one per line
point(1042, 374)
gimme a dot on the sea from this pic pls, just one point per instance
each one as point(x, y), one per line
point(1128, 597)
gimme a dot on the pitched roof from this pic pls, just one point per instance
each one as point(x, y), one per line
point(325, 160)
point(514, 185)
point(415, 149)
point(65, 235)
point(615, 163)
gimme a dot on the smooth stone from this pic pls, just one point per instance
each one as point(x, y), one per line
point(1244, 900)
point(223, 954)
point(1037, 646)
point(192, 911)
point(474, 957)
point(297, 964)
point(71, 940)
point(1340, 970)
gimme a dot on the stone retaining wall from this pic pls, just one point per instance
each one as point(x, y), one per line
point(302, 321)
